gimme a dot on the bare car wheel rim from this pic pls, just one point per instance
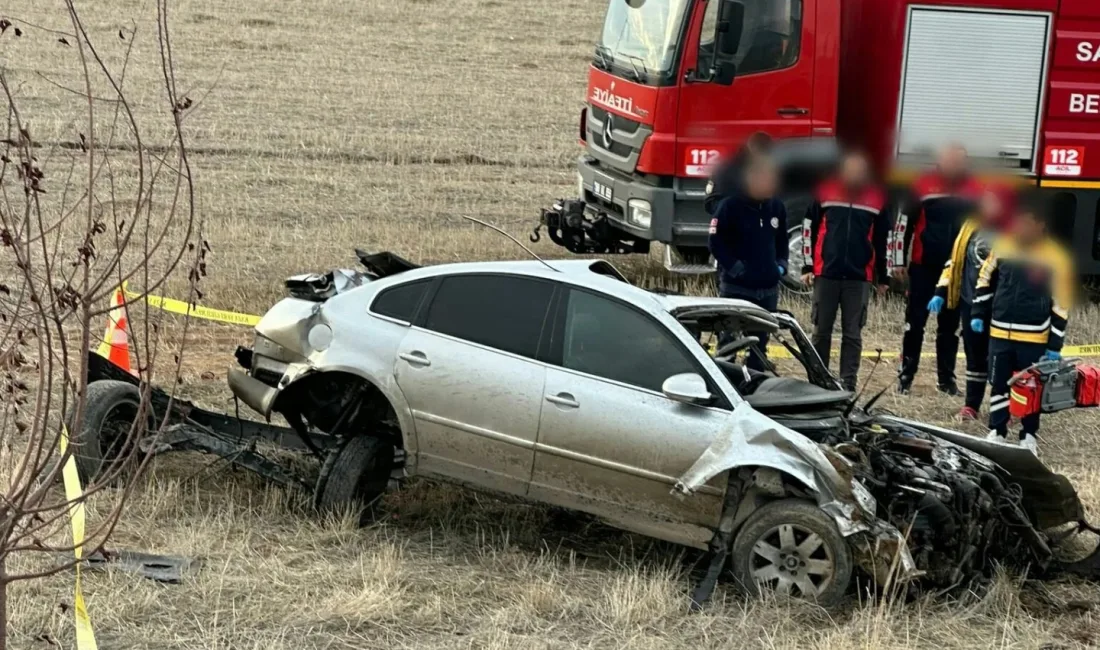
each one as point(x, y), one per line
point(793, 560)
point(794, 271)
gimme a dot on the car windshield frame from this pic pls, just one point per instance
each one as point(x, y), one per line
point(641, 40)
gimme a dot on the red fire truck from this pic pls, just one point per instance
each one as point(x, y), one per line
point(676, 84)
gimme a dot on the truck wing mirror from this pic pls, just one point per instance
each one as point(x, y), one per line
point(730, 24)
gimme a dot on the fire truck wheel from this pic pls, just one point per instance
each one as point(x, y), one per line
point(354, 476)
point(792, 282)
point(105, 442)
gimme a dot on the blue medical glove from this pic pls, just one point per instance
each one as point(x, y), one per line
point(1052, 355)
point(935, 305)
point(977, 325)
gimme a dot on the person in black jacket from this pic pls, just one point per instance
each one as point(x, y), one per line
point(926, 229)
point(844, 249)
point(726, 178)
point(748, 239)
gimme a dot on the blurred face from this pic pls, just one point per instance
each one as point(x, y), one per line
point(1028, 227)
point(990, 209)
point(855, 171)
point(953, 161)
point(761, 180)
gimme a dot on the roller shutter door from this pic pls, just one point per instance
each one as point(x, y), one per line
point(975, 77)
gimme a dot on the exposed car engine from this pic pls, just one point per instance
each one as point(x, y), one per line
point(960, 514)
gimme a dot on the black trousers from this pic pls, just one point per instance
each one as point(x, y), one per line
point(976, 347)
point(922, 287)
point(766, 298)
point(850, 297)
point(1006, 358)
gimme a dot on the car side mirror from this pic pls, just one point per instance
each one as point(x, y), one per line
point(688, 388)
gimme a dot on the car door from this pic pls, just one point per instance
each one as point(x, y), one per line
point(610, 442)
point(773, 90)
point(468, 372)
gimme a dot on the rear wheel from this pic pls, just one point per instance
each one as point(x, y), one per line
point(354, 476)
point(791, 548)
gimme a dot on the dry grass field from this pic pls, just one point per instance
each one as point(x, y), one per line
point(326, 125)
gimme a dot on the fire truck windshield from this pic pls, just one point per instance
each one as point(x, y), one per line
point(641, 36)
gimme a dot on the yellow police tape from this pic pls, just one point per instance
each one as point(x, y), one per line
point(235, 318)
point(85, 636)
point(182, 307)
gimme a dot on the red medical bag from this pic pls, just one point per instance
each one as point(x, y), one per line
point(1025, 397)
point(1088, 386)
point(1046, 387)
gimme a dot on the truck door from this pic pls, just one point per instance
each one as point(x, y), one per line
point(773, 90)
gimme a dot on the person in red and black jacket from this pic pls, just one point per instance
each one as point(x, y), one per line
point(844, 239)
point(927, 226)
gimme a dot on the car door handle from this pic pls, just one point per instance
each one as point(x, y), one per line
point(416, 358)
point(564, 399)
point(793, 111)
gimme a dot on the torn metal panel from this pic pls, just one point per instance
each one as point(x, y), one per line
point(168, 569)
point(754, 440)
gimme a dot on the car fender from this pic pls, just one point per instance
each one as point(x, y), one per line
point(378, 376)
point(753, 440)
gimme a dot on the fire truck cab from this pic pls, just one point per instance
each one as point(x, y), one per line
point(675, 85)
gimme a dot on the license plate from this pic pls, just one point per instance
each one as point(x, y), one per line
point(602, 191)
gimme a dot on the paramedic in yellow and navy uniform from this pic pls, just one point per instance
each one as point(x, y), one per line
point(1023, 297)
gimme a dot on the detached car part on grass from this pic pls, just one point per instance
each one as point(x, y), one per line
point(784, 480)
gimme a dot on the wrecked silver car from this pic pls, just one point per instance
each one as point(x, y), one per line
point(562, 383)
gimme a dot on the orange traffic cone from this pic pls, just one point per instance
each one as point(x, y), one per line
point(116, 345)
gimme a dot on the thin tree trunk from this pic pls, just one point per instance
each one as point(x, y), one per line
point(3, 607)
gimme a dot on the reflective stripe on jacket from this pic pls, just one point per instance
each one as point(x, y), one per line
point(1026, 294)
point(844, 234)
point(930, 220)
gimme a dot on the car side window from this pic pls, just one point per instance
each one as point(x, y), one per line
point(402, 301)
point(605, 338)
point(505, 312)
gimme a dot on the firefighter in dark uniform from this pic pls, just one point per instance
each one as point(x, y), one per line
point(959, 281)
point(928, 225)
point(726, 178)
point(1023, 299)
point(844, 249)
point(748, 239)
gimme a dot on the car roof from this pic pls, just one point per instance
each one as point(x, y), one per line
point(596, 274)
point(593, 273)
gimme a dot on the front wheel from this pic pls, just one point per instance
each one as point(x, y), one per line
point(791, 548)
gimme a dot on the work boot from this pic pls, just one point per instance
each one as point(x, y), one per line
point(967, 414)
point(995, 436)
point(948, 387)
point(1030, 443)
point(905, 384)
